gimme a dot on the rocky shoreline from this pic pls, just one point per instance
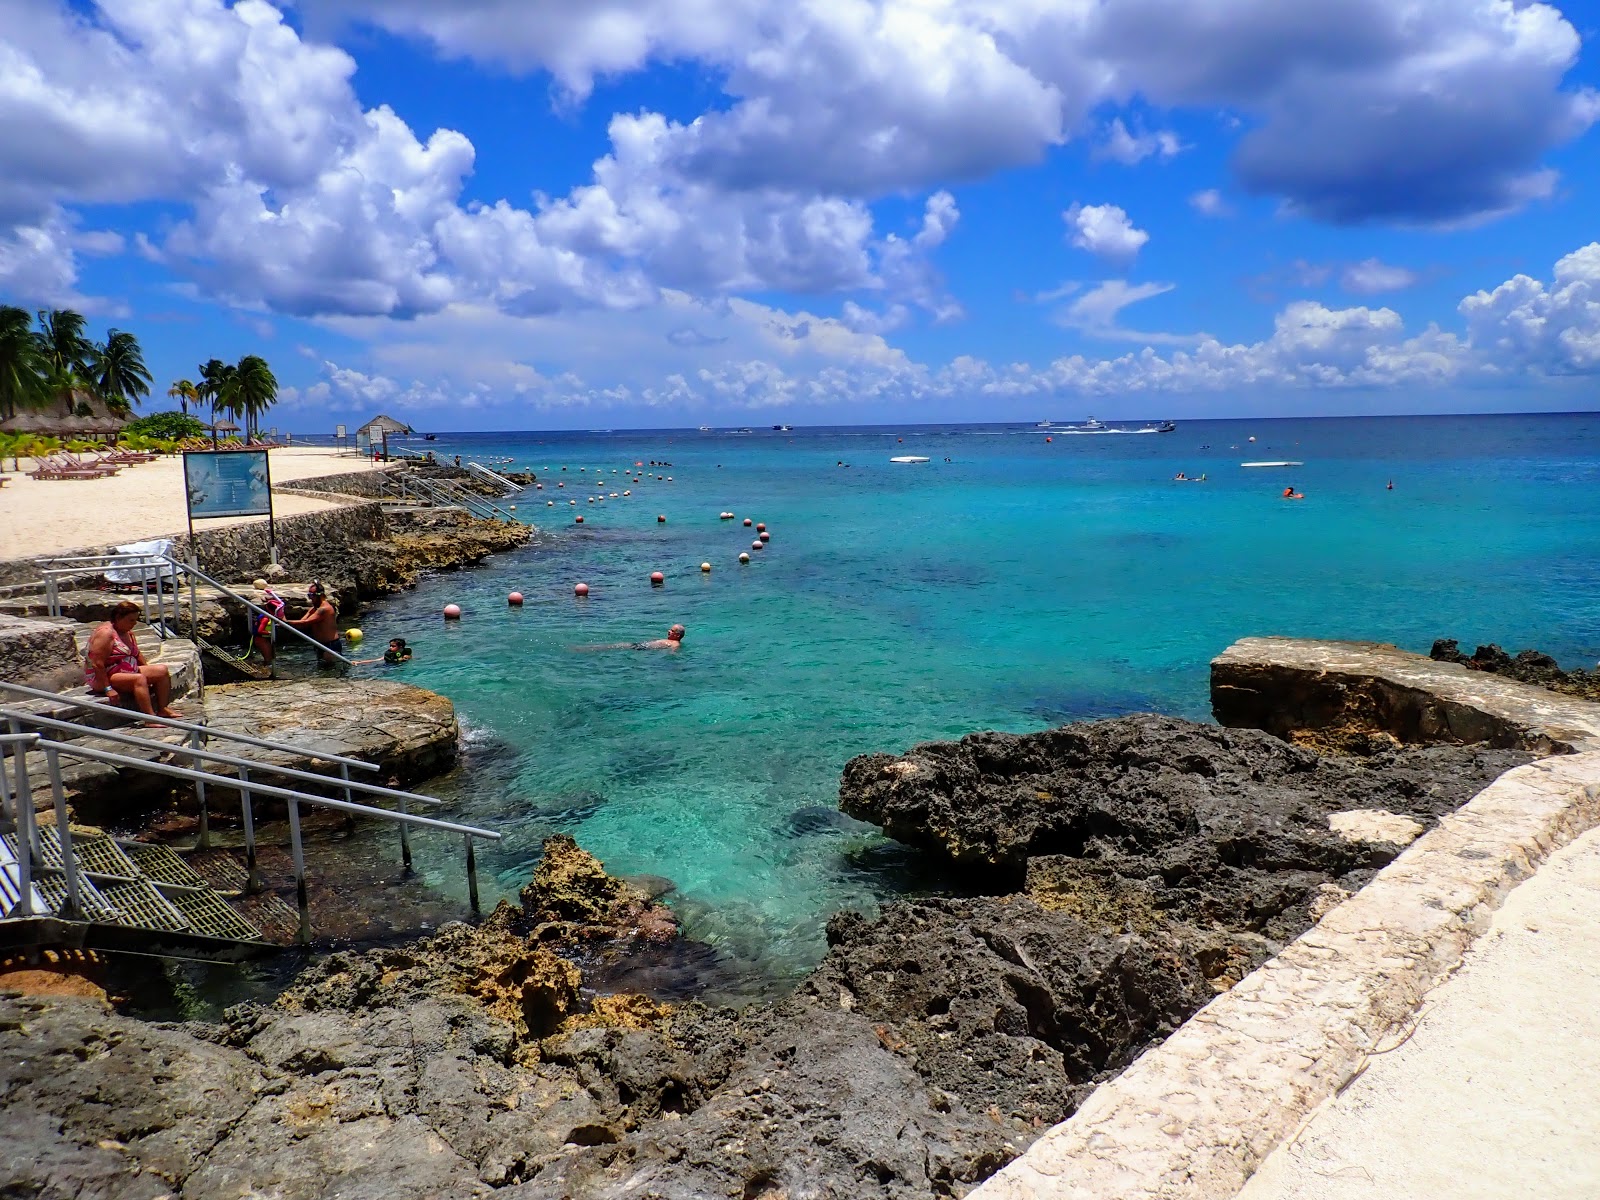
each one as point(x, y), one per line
point(1527, 666)
point(1128, 870)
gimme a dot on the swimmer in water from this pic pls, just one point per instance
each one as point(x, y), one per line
point(1290, 494)
point(673, 641)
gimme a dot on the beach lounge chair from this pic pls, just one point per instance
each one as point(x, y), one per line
point(90, 464)
point(54, 467)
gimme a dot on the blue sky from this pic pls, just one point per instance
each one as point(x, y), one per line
point(535, 214)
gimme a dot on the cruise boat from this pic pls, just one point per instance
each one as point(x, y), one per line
point(1045, 425)
point(780, 428)
point(705, 429)
point(1093, 426)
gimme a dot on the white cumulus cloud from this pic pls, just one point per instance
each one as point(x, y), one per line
point(1105, 231)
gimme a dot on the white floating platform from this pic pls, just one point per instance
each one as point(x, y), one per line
point(910, 458)
point(1287, 463)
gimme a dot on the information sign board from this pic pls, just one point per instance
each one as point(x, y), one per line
point(228, 483)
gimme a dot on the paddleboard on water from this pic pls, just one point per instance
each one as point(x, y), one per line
point(910, 458)
point(1273, 464)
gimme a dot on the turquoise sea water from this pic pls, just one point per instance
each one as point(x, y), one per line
point(1021, 584)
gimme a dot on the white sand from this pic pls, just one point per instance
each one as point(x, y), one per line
point(1497, 1093)
point(48, 516)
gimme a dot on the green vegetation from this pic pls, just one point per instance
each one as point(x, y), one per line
point(243, 391)
point(56, 365)
point(173, 426)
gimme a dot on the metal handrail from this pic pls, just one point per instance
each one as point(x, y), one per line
point(507, 488)
point(246, 788)
point(448, 492)
point(345, 784)
point(151, 559)
point(192, 727)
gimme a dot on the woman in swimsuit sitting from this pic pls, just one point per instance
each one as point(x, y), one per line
point(115, 667)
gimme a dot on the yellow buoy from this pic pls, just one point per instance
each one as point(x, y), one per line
point(353, 636)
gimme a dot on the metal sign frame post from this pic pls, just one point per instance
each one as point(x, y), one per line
point(228, 483)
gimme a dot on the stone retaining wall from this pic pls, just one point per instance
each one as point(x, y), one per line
point(240, 552)
point(1195, 1116)
point(371, 484)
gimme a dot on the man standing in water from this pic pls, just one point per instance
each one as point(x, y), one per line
point(673, 641)
point(321, 622)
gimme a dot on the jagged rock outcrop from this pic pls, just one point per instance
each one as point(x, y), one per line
point(1160, 860)
point(1157, 795)
point(1353, 696)
point(1527, 666)
point(414, 542)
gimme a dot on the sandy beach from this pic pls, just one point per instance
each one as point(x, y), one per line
point(51, 516)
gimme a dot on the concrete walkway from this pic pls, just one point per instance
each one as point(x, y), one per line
point(1496, 1093)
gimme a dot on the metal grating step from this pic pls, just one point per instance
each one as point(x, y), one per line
point(161, 864)
point(53, 890)
point(99, 855)
point(209, 914)
point(138, 903)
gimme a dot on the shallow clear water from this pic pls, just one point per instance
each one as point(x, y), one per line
point(1021, 584)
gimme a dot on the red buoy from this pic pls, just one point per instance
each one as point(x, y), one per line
point(756, 545)
point(452, 612)
point(657, 578)
point(580, 589)
point(580, 520)
point(747, 522)
point(661, 519)
point(515, 599)
point(765, 536)
point(761, 527)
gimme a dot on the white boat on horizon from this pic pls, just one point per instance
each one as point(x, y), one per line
point(1092, 426)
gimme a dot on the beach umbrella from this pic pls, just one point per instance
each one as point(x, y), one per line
point(221, 427)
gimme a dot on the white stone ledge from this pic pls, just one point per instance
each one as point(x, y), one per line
point(1194, 1116)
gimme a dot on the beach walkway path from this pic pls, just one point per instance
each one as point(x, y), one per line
point(1496, 1093)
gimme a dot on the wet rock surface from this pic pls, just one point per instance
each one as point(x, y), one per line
point(1156, 794)
point(1527, 666)
point(1158, 861)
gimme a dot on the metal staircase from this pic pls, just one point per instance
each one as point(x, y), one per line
point(445, 493)
point(63, 888)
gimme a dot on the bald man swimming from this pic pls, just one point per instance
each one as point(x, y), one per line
point(673, 641)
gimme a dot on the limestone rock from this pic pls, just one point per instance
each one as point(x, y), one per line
point(1375, 825)
point(1214, 807)
point(408, 731)
point(571, 887)
point(1289, 686)
point(38, 652)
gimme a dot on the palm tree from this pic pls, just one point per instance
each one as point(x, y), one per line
point(66, 351)
point(120, 373)
point(213, 381)
point(22, 364)
point(184, 391)
point(255, 390)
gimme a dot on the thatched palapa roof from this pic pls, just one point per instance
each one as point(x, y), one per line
point(381, 425)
